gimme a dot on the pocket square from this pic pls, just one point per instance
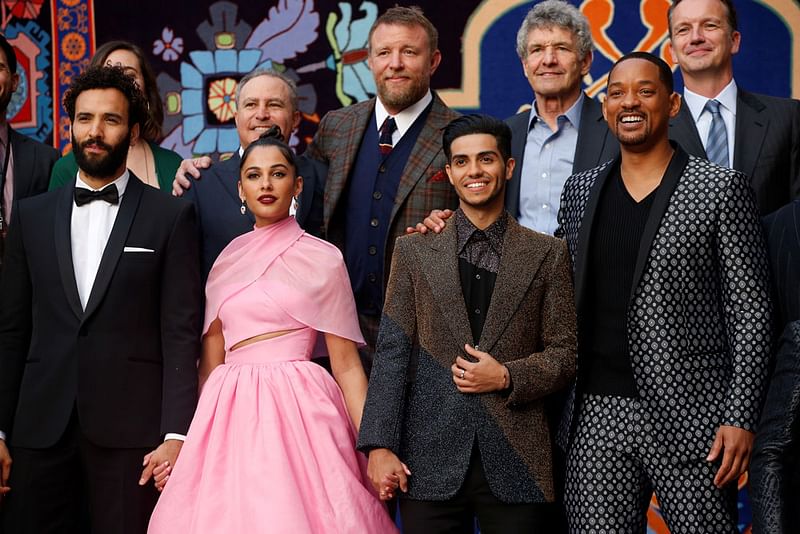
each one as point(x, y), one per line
point(137, 249)
point(440, 176)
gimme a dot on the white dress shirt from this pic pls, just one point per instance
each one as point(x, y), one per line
point(405, 118)
point(702, 117)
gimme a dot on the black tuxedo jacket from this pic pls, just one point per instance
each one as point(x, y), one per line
point(128, 360)
point(783, 238)
point(33, 162)
point(595, 145)
point(766, 149)
point(216, 196)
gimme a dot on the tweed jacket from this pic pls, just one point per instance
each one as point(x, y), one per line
point(699, 312)
point(423, 186)
point(413, 406)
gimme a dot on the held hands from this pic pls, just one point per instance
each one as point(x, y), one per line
point(483, 376)
point(5, 468)
point(434, 222)
point(189, 167)
point(387, 473)
point(737, 444)
point(158, 463)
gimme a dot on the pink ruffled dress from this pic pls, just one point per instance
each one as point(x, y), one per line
point(271, 447)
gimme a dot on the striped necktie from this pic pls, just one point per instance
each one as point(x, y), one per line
point(717, 144)
point(385, 141)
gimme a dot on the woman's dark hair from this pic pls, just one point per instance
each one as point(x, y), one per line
point(154, 118)
point(271, 137)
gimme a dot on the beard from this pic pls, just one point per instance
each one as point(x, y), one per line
point(101, 165)
point(401, 99)
point(633, 139)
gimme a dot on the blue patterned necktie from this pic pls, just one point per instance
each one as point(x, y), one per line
point(385, 141)
point(717, 144)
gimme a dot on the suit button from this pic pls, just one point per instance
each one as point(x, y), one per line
point(372, 250)
point(382, 168)
point(373, 222)
point(477, 311)
point(371, 277)
point(377, 195)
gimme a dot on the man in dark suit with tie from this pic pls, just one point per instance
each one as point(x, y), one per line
point(98, 331)
point(756, 134)
point(25, 168)
point(372, 194)
point(674, 322)
point(564, 131)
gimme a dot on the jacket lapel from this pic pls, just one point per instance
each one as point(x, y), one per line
point(683, 130)
point(128, 207)
point(429, 143)
point(751, 128)
point(227, 173)
point(584, 233)
point(519, 264)
point(339, 173)
point(660, 202)
point(519, 138)
point(63, 245)
point(23, 163)
point(438, 254)
point(592, 136)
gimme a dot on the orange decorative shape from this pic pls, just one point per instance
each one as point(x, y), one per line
point(221, 98)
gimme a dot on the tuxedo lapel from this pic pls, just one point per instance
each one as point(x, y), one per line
point(684, 131)
point(63, 246)
point(585, 231)
point(751, 129)
point(339, 169)
point(439, 256)
point(23, 163)
point(660, 202)
point(519, 264)
point(128, 207)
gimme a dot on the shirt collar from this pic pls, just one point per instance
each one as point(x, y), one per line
point(494, 233)
point(405, 118)
point(121, 183)
point(697, 103)
point(573, 114)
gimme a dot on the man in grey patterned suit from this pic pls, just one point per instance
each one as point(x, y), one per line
point(672, 293)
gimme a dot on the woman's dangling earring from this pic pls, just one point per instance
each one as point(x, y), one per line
point(243, 209)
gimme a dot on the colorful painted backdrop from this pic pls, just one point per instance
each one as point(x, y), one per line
point(200, 49)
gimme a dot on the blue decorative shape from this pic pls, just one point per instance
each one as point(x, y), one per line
point(203, 60)
point(248, 59)
point(226, 60)
point(191, 77)
point(228, 140)
point(192, 126)
point(207, 142)
point(192, 101)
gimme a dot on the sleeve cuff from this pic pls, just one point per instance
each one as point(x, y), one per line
point(2, 435)
point(172, 435)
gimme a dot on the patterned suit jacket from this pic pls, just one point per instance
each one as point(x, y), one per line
point(767, 145)
point(423, 186)
point(699, 314)
point(413, 406)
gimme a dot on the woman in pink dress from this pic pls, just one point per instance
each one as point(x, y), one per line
point(271, 446)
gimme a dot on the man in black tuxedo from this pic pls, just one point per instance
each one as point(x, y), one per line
point(25, 168)
point(98, 331)
point(760, 134)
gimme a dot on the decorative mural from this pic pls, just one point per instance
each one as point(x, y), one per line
point(201, 49)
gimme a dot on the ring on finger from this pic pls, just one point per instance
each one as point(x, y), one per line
point(461, 376)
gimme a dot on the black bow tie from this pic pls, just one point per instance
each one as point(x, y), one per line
point(84, 196)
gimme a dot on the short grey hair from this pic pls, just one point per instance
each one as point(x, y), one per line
point(556, 14)
point(274, 74)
